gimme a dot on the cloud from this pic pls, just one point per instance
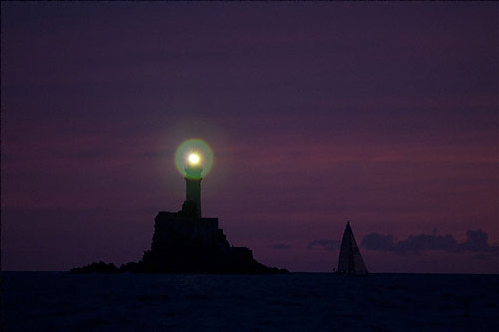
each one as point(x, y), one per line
point(329, 245)
point(476, 241)
point(280, 246)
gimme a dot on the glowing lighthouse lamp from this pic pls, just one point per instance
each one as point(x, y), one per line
point(194, 159)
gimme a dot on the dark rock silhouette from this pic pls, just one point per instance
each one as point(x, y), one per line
point(185, 243)
point(182, 242)
point(97, 267)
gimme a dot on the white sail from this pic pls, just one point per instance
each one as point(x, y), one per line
point(350, 261)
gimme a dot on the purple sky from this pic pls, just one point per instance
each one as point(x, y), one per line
point(384, 113)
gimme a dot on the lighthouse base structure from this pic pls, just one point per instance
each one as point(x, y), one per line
point(182, 244)
point(185, 243)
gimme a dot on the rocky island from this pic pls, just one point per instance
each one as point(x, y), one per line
point(185, 242)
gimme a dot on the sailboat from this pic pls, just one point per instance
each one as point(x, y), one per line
point(350, 261)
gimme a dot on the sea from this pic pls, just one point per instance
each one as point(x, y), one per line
point(61, 301)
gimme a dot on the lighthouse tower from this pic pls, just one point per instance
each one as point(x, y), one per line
point(193, 183)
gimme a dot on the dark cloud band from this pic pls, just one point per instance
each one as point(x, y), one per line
point(476, 241)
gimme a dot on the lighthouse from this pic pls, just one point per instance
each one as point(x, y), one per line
point(184, 241)
point(193, 179)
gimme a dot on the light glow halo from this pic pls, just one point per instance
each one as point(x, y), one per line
point(186, 155)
